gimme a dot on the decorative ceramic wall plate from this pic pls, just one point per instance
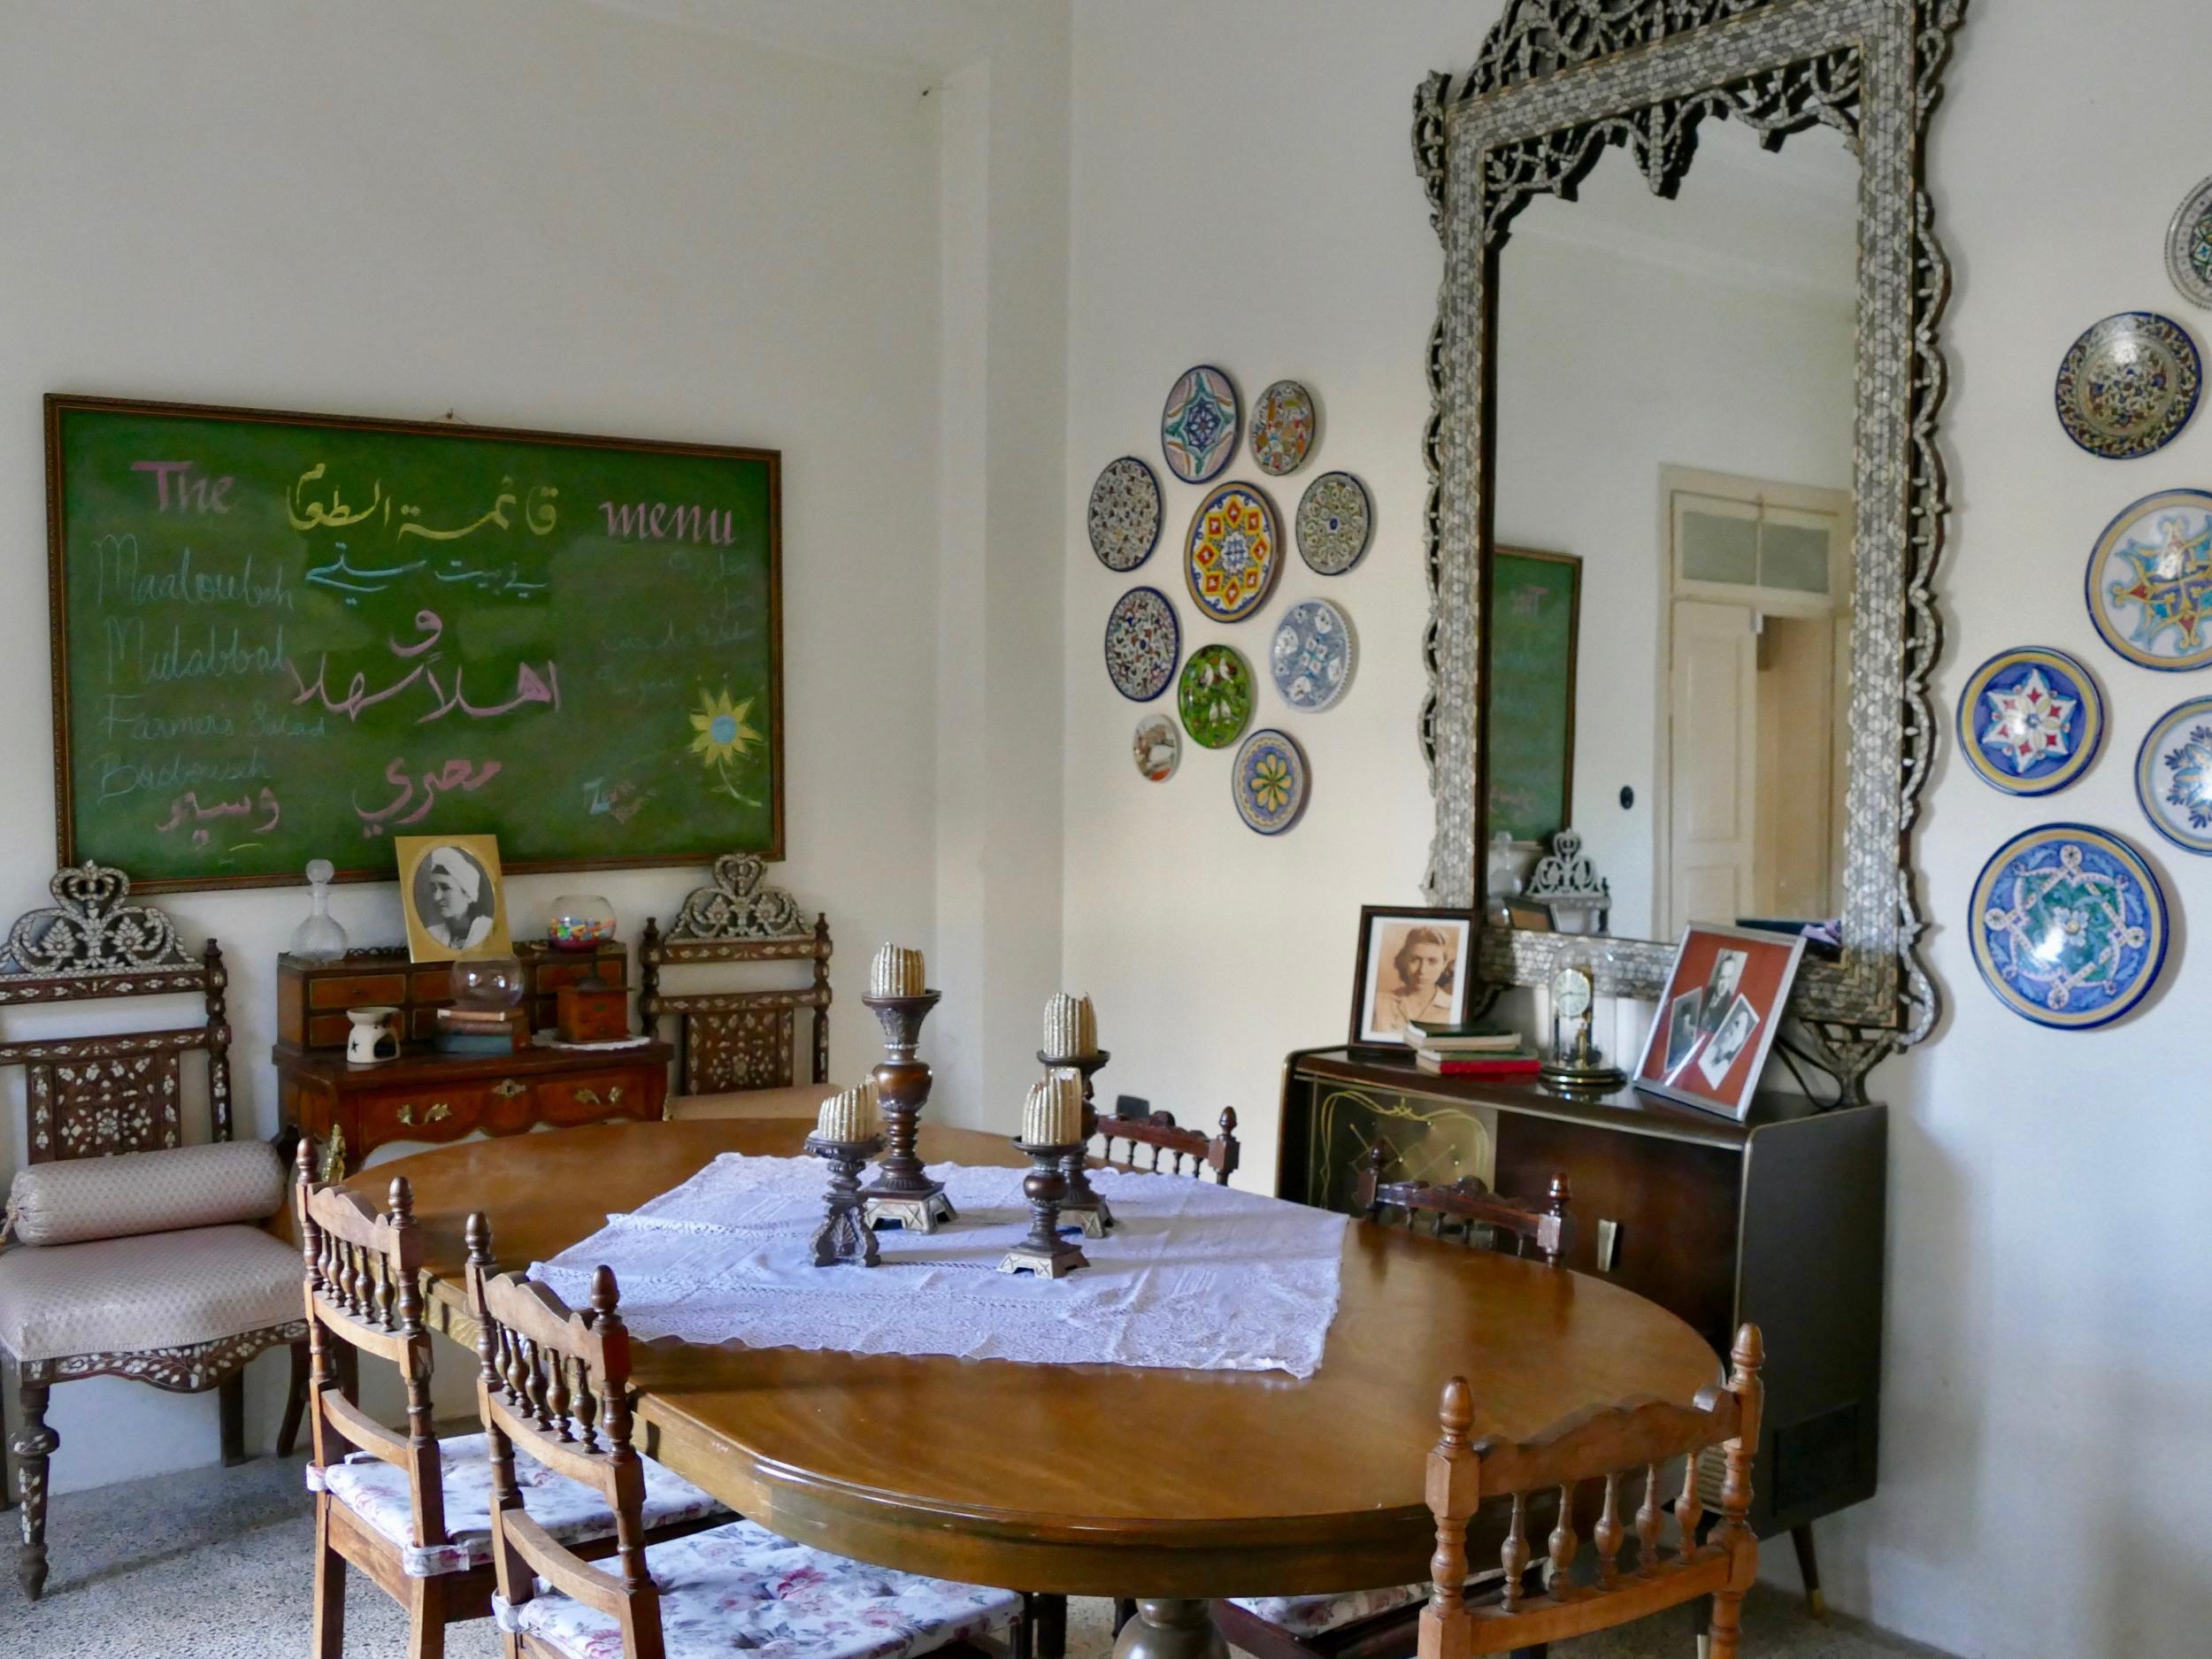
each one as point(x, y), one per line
point(2189, 246)
point(1233, 553)
point(2069, 926)
point(2149, 585)
point(2030, 721)
point(1334, 522)
point(2128, 385)
point(1215, 696)
point(1125, 514)
point(1198, 429)
point(1143, 640)
point(1282, 427)
point(1157, 747)
point(2173, 775)
point(1268, 781)
point(1312, 657)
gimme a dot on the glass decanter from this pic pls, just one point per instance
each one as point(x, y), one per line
point(320, 937)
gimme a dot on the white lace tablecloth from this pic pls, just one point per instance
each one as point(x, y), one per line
point(1193, 1275)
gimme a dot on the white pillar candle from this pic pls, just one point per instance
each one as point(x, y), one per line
point(897, 971)
point(1071, 1027)
point(856, 1115)
point(1052, 1115)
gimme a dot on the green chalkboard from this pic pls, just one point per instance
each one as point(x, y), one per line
point(279, 637)
point(1535, 608)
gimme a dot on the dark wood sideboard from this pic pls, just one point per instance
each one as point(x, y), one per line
point(1778, 1219)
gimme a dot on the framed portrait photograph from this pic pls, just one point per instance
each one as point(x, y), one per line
point(1718, 1017)
point(1414, 964)
point(450, 890)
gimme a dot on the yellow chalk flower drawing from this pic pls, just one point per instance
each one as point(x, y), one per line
point(723, 736)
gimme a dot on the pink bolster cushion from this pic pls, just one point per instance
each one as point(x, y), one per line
point(176, 1187)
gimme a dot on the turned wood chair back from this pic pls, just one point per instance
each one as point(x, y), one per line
point(1625, 1447)
point(738, 1040)
point(364, 1292)
point(1135, 1125)
point(1468, 1206)
point(123, 1091)
point(556, 1382)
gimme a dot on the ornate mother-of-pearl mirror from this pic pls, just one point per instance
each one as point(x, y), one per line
point(1686, 500)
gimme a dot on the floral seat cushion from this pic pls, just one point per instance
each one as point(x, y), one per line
point(1311, 1615)
point(570, 1510)
point(741, 1589)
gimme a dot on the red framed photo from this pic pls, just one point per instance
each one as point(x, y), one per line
point(1718, 1016)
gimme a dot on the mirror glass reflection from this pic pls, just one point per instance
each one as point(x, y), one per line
point(1671, 594)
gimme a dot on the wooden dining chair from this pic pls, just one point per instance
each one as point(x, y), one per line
point(1466, 1207)
point(1135, 1125)
point(554, 1384)
point(1624, 1446)
point(409, 1510)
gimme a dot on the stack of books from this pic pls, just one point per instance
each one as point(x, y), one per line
point(1471, 1051)
point(481, 1030)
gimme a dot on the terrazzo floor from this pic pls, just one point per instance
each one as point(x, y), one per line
point(214, 1564)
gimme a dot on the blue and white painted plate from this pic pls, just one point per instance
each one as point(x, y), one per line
point(1143, 642)
point(1312, 656)
point(2069, 926)
point(2030, 721)
point(2173, 775)
point(1198, 429)
point(1268, 780)
point(2149, 584)
point(1125, 515)
point(2128, 385)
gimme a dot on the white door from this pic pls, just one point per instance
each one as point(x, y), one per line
point(1713, 756)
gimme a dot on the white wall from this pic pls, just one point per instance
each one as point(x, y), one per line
point(537, 215)
point(2050, 1325)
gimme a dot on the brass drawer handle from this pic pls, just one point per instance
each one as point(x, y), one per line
point(507, 1088)
point(590, 1096)
point(437, 1114)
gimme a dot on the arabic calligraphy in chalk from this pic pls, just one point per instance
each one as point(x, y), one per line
point(540, 514)
point(189, 807)
point(531, 685)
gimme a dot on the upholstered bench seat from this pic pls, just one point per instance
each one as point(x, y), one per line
point(571, 1511)
point(156, 1290)
point(739, 1588)
point(802, 1100)
point(1314, 1615)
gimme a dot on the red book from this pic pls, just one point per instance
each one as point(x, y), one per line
point(1504, 1065)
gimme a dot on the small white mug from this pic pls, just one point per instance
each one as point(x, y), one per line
point(372, 1042)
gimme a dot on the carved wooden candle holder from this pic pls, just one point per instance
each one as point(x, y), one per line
point(1044, 1252)
point(1083, 1202)
point(902, 1196)
point(844, 1235)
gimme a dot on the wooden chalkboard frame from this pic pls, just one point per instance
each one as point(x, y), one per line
point(59, 403)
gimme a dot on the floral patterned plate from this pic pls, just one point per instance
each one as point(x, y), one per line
point(2189, 246)
point(2173, 775)
point(1335, 521)
point(1198, 429)
point(2030, 721)
point(1268, 780)
point(1143, 640)
point(2068, 926)
point(1282, 427)
point(1233, 553)
point(1125, 514)
point(1156, 747)
point(1215, 696)
point(2150, 580)
point(2128, 385)
point(1312, 656)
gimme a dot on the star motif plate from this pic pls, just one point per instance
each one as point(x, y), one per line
point(1313, 654)
point(1198, 429)
point(1268, 781)
point(1125, 514)
point(2128, 385)
point(1283, 427)
point(2030, 721)
point(1233, 553)
point(2189, 246)
point(2173, 775)
point(1143, 640)
point(2069, 926)
point(1335, 521)
point(1156, 747)
point(1215, 696)
point(2149, 585)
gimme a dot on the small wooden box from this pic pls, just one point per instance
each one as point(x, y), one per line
point(593, 1013)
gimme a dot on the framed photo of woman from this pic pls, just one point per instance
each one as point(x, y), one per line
point(450, 888)
point(1414, 964)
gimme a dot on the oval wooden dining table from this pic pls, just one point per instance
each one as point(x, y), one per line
point(1170, 1486)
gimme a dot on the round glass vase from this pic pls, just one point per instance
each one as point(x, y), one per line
point(490, 980)
point(579, 921)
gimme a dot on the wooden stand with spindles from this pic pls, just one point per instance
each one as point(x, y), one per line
point(1044, 1252)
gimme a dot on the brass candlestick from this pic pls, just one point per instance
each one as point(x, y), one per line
point(902, 1196)
point(1082, 1203)
point(1044, 1252)
point(844, 1235)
